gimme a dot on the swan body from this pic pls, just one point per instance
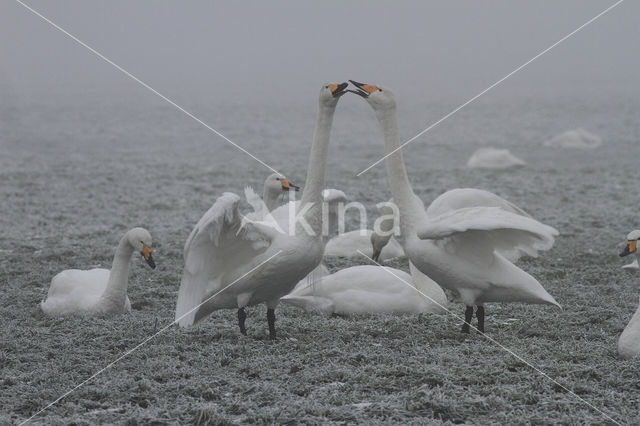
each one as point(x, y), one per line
point(492, 158)
point(98, 291)
point(369, 289)
point(629, 341)
point(234, 263)
point(458, 239)
point(577, 138)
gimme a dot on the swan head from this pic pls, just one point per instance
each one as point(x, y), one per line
point(379, 97)
point(277, 183)
point(378, 242)
point(632, 242)
point(140, 240)
point(331, 92)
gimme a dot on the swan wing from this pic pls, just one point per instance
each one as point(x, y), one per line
point(470, 197)
point(220, 243)
point(260, 209)
point(485, 229)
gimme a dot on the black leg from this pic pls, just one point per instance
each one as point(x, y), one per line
point(271, 319)
point(242, 315)
point(468, 314)
point(480, 316)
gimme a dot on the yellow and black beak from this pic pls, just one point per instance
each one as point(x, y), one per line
point(146, 253)
point(629, 248)
point(288, 186)
point(338, 90)
point(364, 90)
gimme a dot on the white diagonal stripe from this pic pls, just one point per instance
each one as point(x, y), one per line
point(493, 85)
point(142, 83)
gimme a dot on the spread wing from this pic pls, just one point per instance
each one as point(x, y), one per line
point(260, 209)
point(478, 231)
point(220, 243)
point(512, 241)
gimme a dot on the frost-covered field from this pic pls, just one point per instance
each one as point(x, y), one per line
point(75, 178)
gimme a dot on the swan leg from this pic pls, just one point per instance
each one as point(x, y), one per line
point(271, 319)
point(480, 316)
point(242, 315)
point(468, 314)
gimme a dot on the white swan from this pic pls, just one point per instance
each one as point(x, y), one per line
point(275, 185)
point(369, 289)
point(578, 138)
point(98, 291)
point(493, 158)
point(629, 341)
point(231, 263)
point(632, 241)
point(456, 245)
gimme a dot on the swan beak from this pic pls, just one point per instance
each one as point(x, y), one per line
point(146, 253)
point(376, 254)
point(337, 90)
point(363, 89)
point(629, 248)
point(287, 186)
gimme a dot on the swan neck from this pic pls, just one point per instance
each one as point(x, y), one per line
point(314, 184)
point(270, 199)
point(115, 293)
point(396, 170)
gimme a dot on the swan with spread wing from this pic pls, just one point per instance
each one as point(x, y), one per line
point(231, 263)
point(467, 239)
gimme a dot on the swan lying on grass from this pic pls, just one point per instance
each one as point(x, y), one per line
point(98, 291)
point(629, 341)
point(369, 289)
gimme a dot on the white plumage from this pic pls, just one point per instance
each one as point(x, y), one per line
point(98, 291)
point(458, 240)
point(233, 263)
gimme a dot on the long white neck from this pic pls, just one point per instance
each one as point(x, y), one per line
point(270, 198)
point(314, 184)
point(396, 171)
point(115, 294)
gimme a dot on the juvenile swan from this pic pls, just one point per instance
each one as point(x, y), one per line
point(457, 241)
point(629, 341)
point(99, 291)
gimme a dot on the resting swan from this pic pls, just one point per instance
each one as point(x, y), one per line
point(629, 341)
point(456, 241)
point(231, 263)
point(98, 291)
point(369, 289)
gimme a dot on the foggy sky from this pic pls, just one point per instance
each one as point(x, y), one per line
point(255, 51)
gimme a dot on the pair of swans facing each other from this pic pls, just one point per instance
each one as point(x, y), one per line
point(629, 341)
point(228, 265)
point(98, 291)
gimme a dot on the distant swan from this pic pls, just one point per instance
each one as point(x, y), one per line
point(458, 246)
point(629, 341)
point(98, 291)
point(231, 263)
point(492, 158)
point(578, 138)
point(369, 289)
